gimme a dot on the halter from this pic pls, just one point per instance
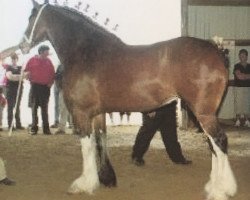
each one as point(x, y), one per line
point(29, 40)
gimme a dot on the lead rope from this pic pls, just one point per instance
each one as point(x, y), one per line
point(28, 40)
point(17, 98)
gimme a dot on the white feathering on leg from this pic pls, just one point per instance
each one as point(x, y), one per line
point(222, 182)
point(89, 180)
point(2, 170)
point(208, 187)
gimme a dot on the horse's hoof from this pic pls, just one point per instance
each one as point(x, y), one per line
point(138, 161)
point(107, 175)
point(74, 190)
point(108, 178)
point(217, 197)
point(109, 182)
point(82, 185)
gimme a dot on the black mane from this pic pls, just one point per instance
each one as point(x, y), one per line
point(79, 16)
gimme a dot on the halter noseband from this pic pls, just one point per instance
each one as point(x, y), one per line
point(29, 40)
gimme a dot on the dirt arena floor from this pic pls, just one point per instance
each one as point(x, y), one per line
point(45, 166)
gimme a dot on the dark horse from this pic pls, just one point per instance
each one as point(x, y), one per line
point(102, 74)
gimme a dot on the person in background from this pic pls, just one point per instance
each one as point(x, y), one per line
point(121, 118)
point(122, 115)
point(64, 115)
point(41, 74)
point(14, 78)
point(2, 91)
point(3, 102)
point(242, 81)
point(3, 176)
point(111, 117)
point(3, 78)
point(164, 120)
point(56, 106)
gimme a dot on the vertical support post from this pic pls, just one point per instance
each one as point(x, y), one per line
point(184, 17)
point(184, 32)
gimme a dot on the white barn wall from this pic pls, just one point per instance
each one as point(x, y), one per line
point(228, 22)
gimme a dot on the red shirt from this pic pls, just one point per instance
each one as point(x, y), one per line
point(41, 71)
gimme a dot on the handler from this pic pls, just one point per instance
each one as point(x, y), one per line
point(164, 120)
point(3, 177)
point(41, 76)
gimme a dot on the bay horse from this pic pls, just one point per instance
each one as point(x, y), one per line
point(103, 74)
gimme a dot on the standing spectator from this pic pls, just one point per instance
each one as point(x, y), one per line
point(111, 118)
point(3, 177)
point(2, 105)
point(242, 81)
point(2, 92)
point(41, 75)
point(128, 117)
point(121, 118)
point(3, 78)
point(63, 111)
point(13, 74)
point(164, 120)
point(56, 108)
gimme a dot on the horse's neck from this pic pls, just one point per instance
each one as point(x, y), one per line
point(68, 37)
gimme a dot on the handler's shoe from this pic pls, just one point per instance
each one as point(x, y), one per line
point(20, 127)
point(247, 123)
point(55, 125)
point(7, 181)
point(138, 161)
point(47, 132)
point(32, 131)
point(237, 123)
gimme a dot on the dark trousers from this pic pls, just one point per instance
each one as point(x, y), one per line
point(11, 94)
point(40, 97)
point(164, 121)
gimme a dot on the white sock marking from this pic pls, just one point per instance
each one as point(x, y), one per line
point(222, 182)
point(89, 180)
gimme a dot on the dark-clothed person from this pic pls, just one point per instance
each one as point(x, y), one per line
point(242, 70)
point(164, 120)
point(242, 94)
point(13, 74)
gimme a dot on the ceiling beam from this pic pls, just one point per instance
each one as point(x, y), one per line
point(219, 2)
point(242, 42)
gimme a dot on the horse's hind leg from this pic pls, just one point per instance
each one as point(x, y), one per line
point(106, 172)
point(88, 180)
point(222, 182)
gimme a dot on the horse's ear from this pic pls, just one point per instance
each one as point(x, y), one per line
point(35, 4)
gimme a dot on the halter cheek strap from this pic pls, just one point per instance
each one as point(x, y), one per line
point(29, 40)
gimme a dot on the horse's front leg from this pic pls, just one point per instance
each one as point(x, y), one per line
point(88, 180)
point(106, 172)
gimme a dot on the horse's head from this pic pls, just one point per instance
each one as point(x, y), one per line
point(36, 30)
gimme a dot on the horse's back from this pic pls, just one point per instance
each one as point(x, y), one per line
point(139, 78)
